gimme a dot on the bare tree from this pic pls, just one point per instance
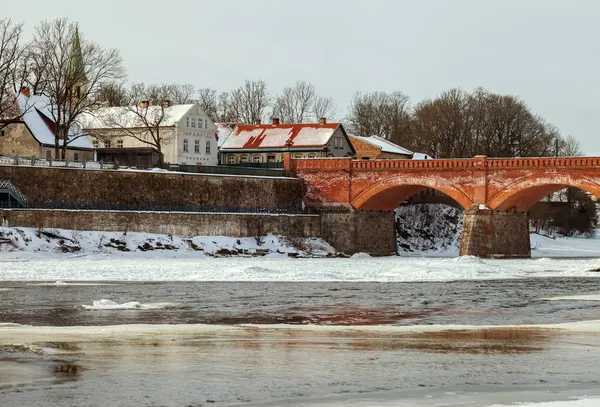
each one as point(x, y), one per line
point(461, 124)
point(112, 94)
point(383, 114)
point(12, 76)
point(207, 98)
point(323, 107)
point(144, 119)
point(74, 71)
point(569, 147)
point(295, 103)
point(182, 94)
point(250, 101)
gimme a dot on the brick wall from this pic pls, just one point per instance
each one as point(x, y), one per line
point(174, 223)
point(153, 189)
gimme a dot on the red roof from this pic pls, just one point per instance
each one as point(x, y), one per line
point(256, 136)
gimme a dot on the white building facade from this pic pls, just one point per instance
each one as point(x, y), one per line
point(188, 136)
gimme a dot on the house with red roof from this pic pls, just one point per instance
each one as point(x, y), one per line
point(261, 143)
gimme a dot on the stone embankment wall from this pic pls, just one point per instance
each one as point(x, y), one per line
point(153, 189)
point(352, 232)
point(488, 233)
point(174, 223)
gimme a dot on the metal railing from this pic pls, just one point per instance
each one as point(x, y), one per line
point(14, 192)
point(102, 206)
point(226, 170)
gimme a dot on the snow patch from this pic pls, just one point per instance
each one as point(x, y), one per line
point(361, 256)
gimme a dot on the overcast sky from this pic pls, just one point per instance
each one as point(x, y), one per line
point(547, 52)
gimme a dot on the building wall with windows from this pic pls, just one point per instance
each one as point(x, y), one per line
point(337, 146)
point(190, 140)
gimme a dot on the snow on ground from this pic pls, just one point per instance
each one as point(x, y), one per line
point(188, 266)
point(29, 241)
point(571, 403)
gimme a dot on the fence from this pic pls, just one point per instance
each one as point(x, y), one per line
point(11, 196)
point(51, 162)
point(226, 170)
point(97, 165)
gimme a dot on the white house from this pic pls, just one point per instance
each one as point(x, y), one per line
point(187, 134)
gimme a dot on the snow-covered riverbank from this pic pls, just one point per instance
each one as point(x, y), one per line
point(27, 242)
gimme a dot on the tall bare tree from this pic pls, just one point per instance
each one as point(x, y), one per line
point(294, 103)
point(250, 101)
point(383, 114)
point(74, 71)
point(112, 94)
point(569, 147)
point(207, 98)
point(461, 124)
point(182, 94)
point(12, 76)
point(323, 107)
point(143, 119)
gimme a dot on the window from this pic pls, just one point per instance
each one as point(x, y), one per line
point(197, 146)
point(205, 124)
point(193, 123)
point(95, 143)
point(312, 156)
point(187, 122)
point(244, 159)
point(185, 146)
point(271, 158)
point(297, 155)
point(120, 143)
point(48, 154)
point(208, 147)
point(230, 159)
point(76, 156)
point(256, 158)
point(1, 133)
point(107, 144)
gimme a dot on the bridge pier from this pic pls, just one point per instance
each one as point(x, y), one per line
point(488, 233)
point(351, 231)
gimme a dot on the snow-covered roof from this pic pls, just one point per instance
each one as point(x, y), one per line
point(37, 114)
point(223, 132)
point(277, 136)
point(421, 156)
point(385, 145)
point(127, 117)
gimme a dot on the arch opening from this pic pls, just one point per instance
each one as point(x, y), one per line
point(387, 195)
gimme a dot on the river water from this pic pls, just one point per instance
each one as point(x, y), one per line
point(526, 333)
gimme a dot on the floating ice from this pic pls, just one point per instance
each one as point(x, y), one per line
point(105, 304)
point(589, 297)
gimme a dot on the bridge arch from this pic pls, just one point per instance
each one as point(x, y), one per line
point(388, 193)
point(525, 192)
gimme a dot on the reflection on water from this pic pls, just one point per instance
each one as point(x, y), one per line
point(252, 364)
point(293, 343)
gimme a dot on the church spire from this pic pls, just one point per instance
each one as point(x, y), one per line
point(76, 65)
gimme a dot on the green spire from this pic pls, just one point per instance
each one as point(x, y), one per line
point(76, 66)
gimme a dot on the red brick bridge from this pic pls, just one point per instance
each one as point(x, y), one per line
point(495, 192)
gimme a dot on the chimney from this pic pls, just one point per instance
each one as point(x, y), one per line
point(257, 122)
point(25, 91)
point(322, 121)
point(275, 121)
point(144, 104)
